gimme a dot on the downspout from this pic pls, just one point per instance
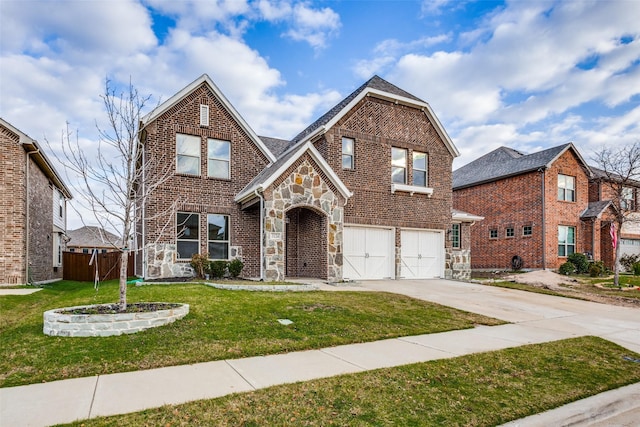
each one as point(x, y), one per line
point(143, 220)
point(544, 220)
point(26, 271)
point(259, 195)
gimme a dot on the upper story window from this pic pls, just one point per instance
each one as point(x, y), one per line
point(188, 154)
point(204, 115)
point(398, 165)
point(527, 230)
point(419, 169)
point(566, 188)
point(218, 158)
point(628, 199)
point(218, 232)
point(347, 153)
point(493, 233)
point(187, 234)
point(60, 205)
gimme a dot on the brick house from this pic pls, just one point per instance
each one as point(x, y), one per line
point(33, 213)
point(86, 239)
point(364, 192)
point(540, 207)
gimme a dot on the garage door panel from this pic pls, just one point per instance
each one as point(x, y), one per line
point(422, 254)
point(368, 253)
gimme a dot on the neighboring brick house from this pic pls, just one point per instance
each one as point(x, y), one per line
point(362, 193)
point(32, 213)
point(540, 207)
point(86, 239)
point(629, 238)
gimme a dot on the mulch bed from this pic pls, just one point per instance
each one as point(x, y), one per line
point(139, 307)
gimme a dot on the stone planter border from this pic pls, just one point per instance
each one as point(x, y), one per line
point(265, 288)
point(105, 325)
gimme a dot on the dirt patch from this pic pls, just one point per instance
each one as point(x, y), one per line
point(568, 286)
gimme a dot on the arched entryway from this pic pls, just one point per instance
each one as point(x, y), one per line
point(305, 243)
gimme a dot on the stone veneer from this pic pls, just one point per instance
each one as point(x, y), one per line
point(457, 264)
point(105, 325)
point(303, 188)
point(161, 262)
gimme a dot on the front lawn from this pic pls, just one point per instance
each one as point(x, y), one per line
point(221, 325)
point(484, 389)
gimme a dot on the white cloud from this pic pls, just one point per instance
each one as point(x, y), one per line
point(315, 26)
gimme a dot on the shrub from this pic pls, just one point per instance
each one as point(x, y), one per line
point(200, 263)
point(627, 261)
point(597, 268)
point(636, 268)
point(580, 261)
point(235, 267)
point(567, 268)
point(218, 269)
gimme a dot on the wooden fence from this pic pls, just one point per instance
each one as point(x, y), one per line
point(76, 266)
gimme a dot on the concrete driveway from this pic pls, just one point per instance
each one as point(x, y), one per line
point(620, 325)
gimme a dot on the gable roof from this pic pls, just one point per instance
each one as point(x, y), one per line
point(272, 172)
point(595, 209)
point(205, 79)
point(379, 88)
point(30, 145)
point(92, 237)
point(505, 162)
point(276, 145)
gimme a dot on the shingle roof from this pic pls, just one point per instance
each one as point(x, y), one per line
point(504, 162)
point(277, 146)
point(92, 237)
point(595, 209)
point(374, 82)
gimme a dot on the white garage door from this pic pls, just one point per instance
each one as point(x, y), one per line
point(422, 254)
point(629, 247)
point(368, 253)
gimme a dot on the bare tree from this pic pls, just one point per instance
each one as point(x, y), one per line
point(115, 178)
point(620, 168)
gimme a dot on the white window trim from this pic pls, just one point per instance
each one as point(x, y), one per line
point(199, 155)
point(190, 240)
point(219, 159)
point(411, 189)
point(426, 167)
point(228, 241)
point(352, 155)
point(405, 167)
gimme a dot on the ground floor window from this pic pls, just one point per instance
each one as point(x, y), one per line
point(455, 236)
point(187, 232)
point(218, 236)
point(566, 240)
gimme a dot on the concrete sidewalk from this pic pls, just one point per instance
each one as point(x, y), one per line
point(536, 320)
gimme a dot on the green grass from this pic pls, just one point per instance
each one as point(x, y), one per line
point(221, 325)
point(484, 389)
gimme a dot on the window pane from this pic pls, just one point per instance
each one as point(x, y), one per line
point(398, 157)
point(218, 250)
point(398, 175)
point(561, 250)
point(187, 225)
point(218, 149)
point(347, 161)
point(190, 165)
point(218, 169)
point(218, 226)
point(419, 161)
point(188, 145)
point(347, 146)
point(186, 249)
point(419, 178)
point(571, 235)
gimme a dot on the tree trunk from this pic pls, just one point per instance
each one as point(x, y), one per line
point(124, 263)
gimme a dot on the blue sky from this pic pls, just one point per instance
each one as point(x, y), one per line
point(524, 74)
